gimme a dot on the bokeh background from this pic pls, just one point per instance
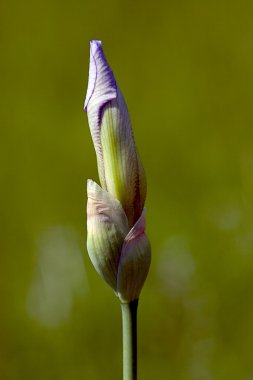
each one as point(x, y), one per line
point(186, 71)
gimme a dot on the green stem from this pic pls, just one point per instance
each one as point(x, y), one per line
point(129, 326)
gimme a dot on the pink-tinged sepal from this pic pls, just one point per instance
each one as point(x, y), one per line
point(134, 262)
point(107, 227)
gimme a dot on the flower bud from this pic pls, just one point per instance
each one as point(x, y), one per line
point(120, 169)
point(116, 240)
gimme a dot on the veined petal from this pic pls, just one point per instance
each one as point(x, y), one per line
point(101, 89)
point(122, 167)
point(102, 84)
point(107, 227)
point(134, 262)
point(120, 170)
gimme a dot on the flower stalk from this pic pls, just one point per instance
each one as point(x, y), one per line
point(129, 329)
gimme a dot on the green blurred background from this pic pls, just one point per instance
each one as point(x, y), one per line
point(186, 71)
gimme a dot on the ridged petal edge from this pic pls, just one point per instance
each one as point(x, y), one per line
point(107, 227)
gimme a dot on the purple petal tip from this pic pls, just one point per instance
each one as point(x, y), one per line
point(100, 71)
point(94, 46)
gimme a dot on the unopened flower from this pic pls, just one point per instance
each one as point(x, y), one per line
point(120, 169)
point(116, 241)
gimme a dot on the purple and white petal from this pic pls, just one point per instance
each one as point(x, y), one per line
point(102, 89)
point(102, 85)
point(119, 166)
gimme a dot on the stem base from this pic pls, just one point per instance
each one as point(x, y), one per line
point(129, 327)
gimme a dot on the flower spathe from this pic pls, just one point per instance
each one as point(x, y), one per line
point(116, 241)
point(107, 227)
point(134, 263)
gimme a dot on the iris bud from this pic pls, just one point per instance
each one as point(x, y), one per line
point(116, 241)
point(120, 169)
